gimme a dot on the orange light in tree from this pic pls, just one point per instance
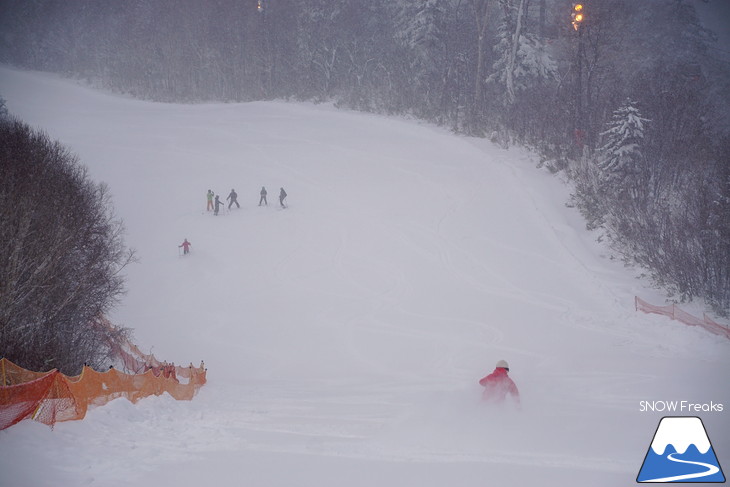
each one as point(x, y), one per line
point(577, 15)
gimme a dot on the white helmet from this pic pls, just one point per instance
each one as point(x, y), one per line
point(502, 364)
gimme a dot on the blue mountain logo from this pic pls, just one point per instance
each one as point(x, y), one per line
point(681, 452)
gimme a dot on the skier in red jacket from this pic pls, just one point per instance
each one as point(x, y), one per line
point(498, 384)
point(185, 246)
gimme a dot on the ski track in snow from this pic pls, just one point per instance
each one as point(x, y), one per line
point(346, 334)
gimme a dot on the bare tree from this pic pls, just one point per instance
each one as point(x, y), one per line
point(60, 267)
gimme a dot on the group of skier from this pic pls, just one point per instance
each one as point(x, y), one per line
point(497, 385)
point(215, 203)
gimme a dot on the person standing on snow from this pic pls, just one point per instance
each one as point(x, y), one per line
point(263, 196)
point(210, 200)
point(233, 197)
point(498, 385)
point(217, 205)
point(282, 195)
point(185, 246)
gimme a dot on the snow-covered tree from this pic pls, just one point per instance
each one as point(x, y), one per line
point(523, 59)
point(624, 135)
point(481, 22)
point(418, 25)
point(420, 31)
point(320, 45)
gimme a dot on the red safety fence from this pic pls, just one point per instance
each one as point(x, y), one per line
point(678, 314)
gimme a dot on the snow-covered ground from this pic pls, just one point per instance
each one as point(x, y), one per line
point(344, 336)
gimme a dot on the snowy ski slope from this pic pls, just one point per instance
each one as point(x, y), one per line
point(344, 336)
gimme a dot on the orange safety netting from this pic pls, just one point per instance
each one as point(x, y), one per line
point(678, 314)
point(133, 360)
point(49, 397)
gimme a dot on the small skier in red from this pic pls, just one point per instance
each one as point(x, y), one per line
point(498, 384)
point(185, 246)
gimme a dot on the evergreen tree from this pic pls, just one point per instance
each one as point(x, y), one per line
point(621, 152)
point(520, 64)
point(420, 32)
point(419, 25)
